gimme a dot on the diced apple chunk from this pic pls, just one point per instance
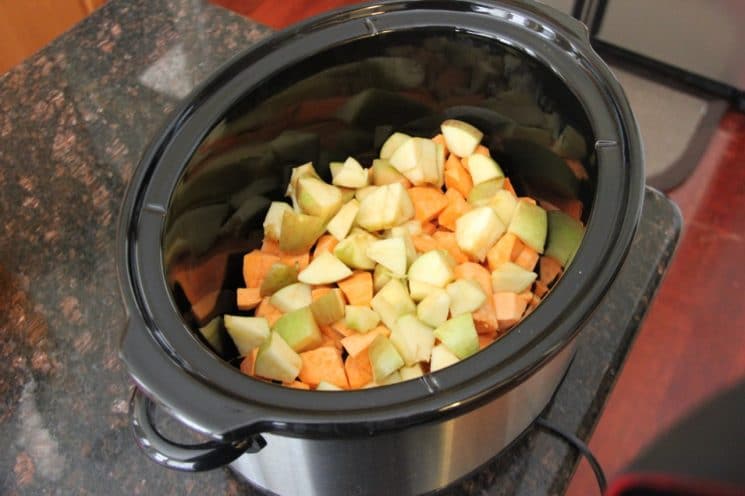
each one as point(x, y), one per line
point(361, 193)
point(291, 297)
point(441, 358)
point(530, 224)
point(390, 253)
point(246, 332)
point(420, 290)
point(405, 234)
point(352, 250)
point(391, 302)
point(433, 309)
point(324, 269)
point(299, 172)
point(361, 318)
point(273, 219)
point(299, 232)
point(384, 173)
point(329, 308)
point(459, 335)
point(351, 175)
point(381, 276)
point(564, 237)
point(416, 159)
point(384, 358)
point(503, 203)
point(342, 222)
point(482, 194)
point(483, 168)
point(512, 278)
point(315, 197)
point(413, 339)
point(392, 143)
point(477, 231)
point(386, 207)
point(460, 137)
point(299, 329)
point(394, 378)
point(277, 277)
point(465, 296)
point(412, 372)
point(276, 360)
point(433, 267)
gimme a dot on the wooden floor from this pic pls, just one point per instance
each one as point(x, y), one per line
point(692, 343)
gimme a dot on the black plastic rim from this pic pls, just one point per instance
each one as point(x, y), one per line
point(171, 365)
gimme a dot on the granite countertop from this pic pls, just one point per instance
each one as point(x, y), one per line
point(74, 119)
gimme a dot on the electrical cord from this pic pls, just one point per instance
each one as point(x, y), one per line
point(580, 446)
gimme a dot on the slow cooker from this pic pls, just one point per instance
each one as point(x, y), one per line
point(331, 87)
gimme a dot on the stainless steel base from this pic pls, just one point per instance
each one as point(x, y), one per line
point(412, 461)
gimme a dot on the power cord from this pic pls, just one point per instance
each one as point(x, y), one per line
point(580, 446)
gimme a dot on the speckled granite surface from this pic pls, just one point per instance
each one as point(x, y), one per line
point(74, 120)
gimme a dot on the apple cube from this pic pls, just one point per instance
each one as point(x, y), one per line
point(299, 172)
point(411, 372)
point(335, 168)
point(360, 318)
point(530, 224)
point(299, 232)
point(273, 219)
point(277, 277)
point(433, 309)
point(420, 290)
point(384, 173)
point(459, 335)
point(381, 276)
point(483, 168)
point(433, 267)
point(461, 138)
point(394, 378)
point(503, 203)
point(350, 175)
point(392, 143)
point(413, 339)
point(324, 269)
point(276, 360)
point(465, 296)
point(416, 159)
point(291, 297)
point(342, 222)
point(391, 302)
point(352, 250)
point(328, 308)
point(482, 194)
point(441, 358)
point(299, 329)
point(246, 332)
point(510, 277)
point(384, 358)
point(361, 193)
point(413, 227)
point(404, 234)
point(390, 253)
point(477, 230)
point(315, 197)
point(386, 207)
point(564, 237)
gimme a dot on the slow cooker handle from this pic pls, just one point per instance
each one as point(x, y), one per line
point(187, 458)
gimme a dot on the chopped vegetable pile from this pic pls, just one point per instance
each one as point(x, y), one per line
point(398, 269)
